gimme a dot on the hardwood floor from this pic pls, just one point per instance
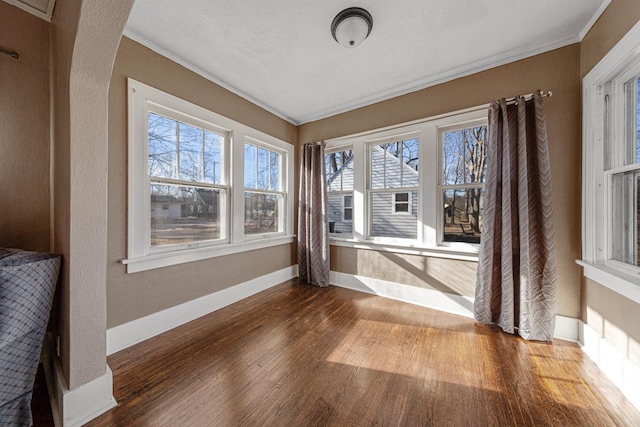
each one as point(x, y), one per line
point(296, 355)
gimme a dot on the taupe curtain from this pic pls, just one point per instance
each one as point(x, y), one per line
point(313, 225)
point(516, 286)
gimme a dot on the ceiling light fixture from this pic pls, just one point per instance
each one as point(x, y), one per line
point(351, 26)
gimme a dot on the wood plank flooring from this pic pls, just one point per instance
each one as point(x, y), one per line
point(296, 355)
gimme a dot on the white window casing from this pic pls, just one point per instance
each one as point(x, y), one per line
point(604, 146)
point(140, 256)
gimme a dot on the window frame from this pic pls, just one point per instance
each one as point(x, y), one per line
point(139, 257)
point(427, 241)
point(282, 203)
point(465, 186)
point(603, 96)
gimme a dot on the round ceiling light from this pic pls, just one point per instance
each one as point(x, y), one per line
point(351, 26)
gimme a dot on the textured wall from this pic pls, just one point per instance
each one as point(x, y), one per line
point(24, 140)
point(558, 71)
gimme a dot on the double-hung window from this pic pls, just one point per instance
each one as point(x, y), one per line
point(414, 188)
point(611, 169)
point(264, 194)
point(463, 168)
point(200, 184)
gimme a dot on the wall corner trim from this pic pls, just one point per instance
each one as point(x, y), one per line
point(73, 408)
point(566, 327)
point(133, 332)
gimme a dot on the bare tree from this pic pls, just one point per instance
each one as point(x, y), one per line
point(475, 161)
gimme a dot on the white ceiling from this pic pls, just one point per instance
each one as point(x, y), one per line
point(280, 53)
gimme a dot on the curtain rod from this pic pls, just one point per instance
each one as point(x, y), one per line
point(11, 54)
point(514, 100)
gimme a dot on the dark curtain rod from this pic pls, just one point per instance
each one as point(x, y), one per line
point(11, 54)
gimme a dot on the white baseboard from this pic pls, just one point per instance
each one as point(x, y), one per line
point(130, 333)
point(73, 408)
point(566, 327)
point(615, 365)
point(455, 304)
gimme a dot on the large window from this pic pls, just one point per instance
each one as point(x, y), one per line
point(413, 188)
point(264, 196)
point(464, 164)
point(200, 184)
point(611, 169)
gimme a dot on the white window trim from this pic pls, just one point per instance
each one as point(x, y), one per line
point(595, 223)
point(429, 201)
point(282, 192)
point(139, 257)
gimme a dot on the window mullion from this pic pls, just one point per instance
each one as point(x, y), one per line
point(237, 186)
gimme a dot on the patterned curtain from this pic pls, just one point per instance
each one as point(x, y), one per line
point(313, 225)
point(516, 286)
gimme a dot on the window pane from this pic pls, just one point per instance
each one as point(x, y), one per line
point(181, 215)
point(263, 169)
point(261, 213)
point(384, 223)
point(348, 216)
point(632, 121)
point(340, 212)
point(274, 165)
point(462, 215)
point(191, 139)
point(402, 197)
point(394, 164)
point(212, 157)
point(250, 163)
point(163, 154)
point(464, 154)
point(339, 170)
point(402, 207)
point(624, 215)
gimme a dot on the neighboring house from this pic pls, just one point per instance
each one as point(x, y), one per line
point(165, 207)
point(340, 203)
point(202, 203)
point(394, 212)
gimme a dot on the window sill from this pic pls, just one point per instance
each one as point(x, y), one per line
point(159, 260)
point(470, 254)
point(624, 284)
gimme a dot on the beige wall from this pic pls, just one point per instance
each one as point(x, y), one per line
point(131, 296)
point(614, 317)
point(24, 139)
point(557, 71)
point(613, 24)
